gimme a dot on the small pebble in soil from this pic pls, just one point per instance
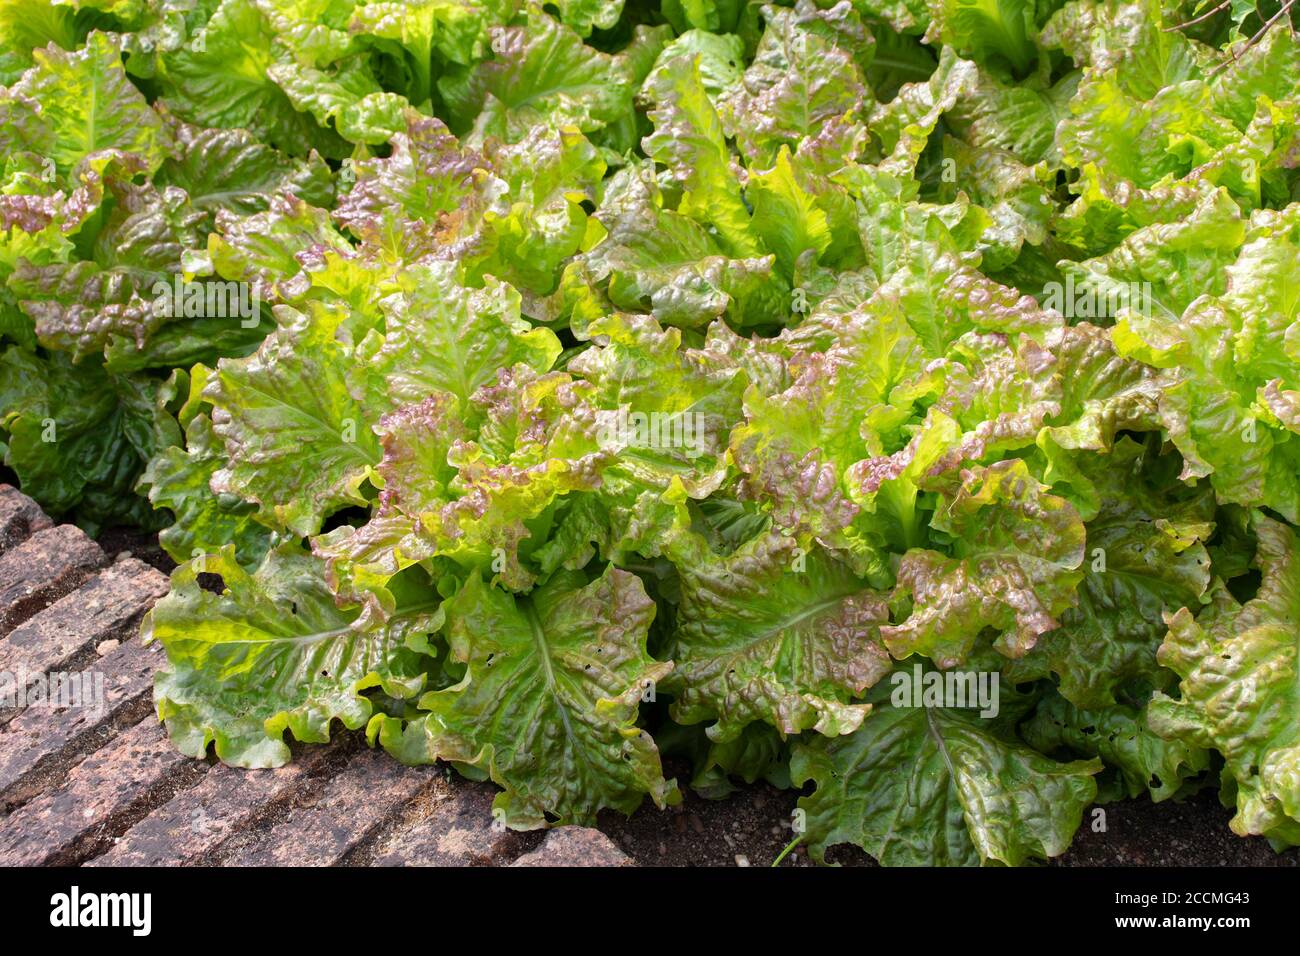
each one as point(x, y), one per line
point(742, 860)
point(106, 647)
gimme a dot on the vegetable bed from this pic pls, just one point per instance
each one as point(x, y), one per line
point(892, 402)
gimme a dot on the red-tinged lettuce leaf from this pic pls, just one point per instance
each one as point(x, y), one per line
point(541, 72)
point(939, 786)
point(1159, 269)
point(275, 652)
point(1000, 395)
point(987, 399)
point(548, 704)
point(125, 293)
point(1018, 117)
point(81, 103)
point(804, 218)
point(415, 189)
point(657, 260)
point(1013, 566)
point(527, 219)
point(535, 445)
point(941, 299)
point(439, 336)
point(471, 498)
point(1155, 114)
point(902, 127)
point(1237, 663)
point(721, 58)
point(1128, 38)
point(796, 449)
point(270, 250)
point(771, 632)
point(1145, 559)
point(585, 16)
point(35, 217)
point(888, 487)
point(661, 410)
point(346, 97)
point(415, 477)
point(1269, 68)
point(1102, 393)
point(297, 443)
point(806, 70)
point(316, 30)
point(905, 16)
point(1017, 198)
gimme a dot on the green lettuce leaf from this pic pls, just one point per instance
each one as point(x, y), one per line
point(1235, 663)
point(273, 652)
point(771, 632)
point(297, 443)
point(1014, 567)
point(552, 680)
point(939, 786)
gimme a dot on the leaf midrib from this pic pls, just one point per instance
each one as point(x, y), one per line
point(548, 671)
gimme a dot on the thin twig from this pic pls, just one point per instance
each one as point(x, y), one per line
point(1204, 16)
point(1264, 29)
point(1238, 51)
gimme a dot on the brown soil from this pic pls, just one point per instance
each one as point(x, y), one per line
point(753, 825)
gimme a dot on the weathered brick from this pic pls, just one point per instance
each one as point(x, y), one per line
point(457, 831)
point(20, 517)
point(103, 795)
point(576, 846)
point(110, 605)
point(342, 816)
point(45, 567)
point(44, 739)
point(198, 820)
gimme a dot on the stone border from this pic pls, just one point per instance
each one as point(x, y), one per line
point(101, 785)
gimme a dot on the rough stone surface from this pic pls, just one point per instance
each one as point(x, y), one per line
point(576, 846)
point(225, 802)
point(102, 795)
point(20, 517)
point(343, 815)
point(456, 830)
point(43, 736)
point(43, 569)
point(109, 606)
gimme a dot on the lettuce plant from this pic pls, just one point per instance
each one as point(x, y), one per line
point(894, 400)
